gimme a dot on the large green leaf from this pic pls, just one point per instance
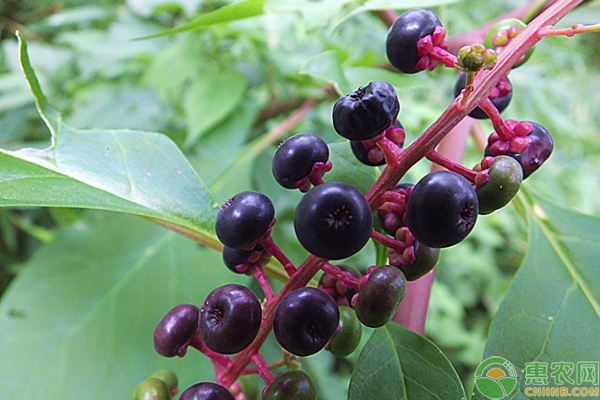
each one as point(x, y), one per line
point(552, 311)
point(398, 364)
point(142, 173)
point(77, 322)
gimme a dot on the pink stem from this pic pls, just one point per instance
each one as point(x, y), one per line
point(340, 275)
point(388, 241)
point(261, 277)
point(217, 358)
point(262, 368)
point(572, 31)
point(275, 251)
point(503, 131)
point(450, 165)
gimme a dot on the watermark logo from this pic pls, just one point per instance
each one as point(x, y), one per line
point(496, 377)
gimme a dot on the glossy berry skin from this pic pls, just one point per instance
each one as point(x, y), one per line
point(151, 389)
point(426, 258)
point(292, 385)
point(370, 154)
point(244, 219)
point(442, 209)
point(537, 152)
point(305, 320)
point(380, 296)
point(366, 112)
point(500, 102)
point(405, 32)
point(232, 258)
point(505, 177)
point(174, 331)
point(333, 221)
point(206, 391)
point(295, 158)
point(346, 339)
point(230, 319)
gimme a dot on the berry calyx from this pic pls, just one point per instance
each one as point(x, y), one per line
point(378, 299)
point(242, 261)
point(425, 259)
point(442, 209)
point(366, 112)
point(296, 158)
point(500, 95)
point(173, 333)
point(504, 180)
point(347, 337)
point(402, 43)
point(296, 385)
point(369, 153)
point(305, 320)
point(206, 391)
point(502, 33)
point(229, 319)
point(333, 221)
point(337, 288)
point(472, 58)
point(244, 219)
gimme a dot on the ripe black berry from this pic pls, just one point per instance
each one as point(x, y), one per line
point(500, 95)
point(206, 391)
point(244, 219)
point(380, 296)
point(174, 331)
point(304, 320)
point(296, 157)
point(442, 209)
point(366, 112)
point(333, 221)
point(505, 177)
point(292, 385)
point(346, 339)
point(240, 260)
point(230, 319)
point(405, 32)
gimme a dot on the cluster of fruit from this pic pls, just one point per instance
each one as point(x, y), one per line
point(334, 221)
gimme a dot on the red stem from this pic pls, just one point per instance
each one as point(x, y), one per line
point(450, 165)
point(340, 275)
point(498, 122)
point(261, 277)
point(275, 251)
point(388, 241)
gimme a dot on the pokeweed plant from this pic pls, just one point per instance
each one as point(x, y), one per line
point(316, 304)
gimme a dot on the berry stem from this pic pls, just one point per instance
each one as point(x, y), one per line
point(220, 360)
point(275, 251)
point(388, 241)
point(572, 31)
point(262, 368)
point(500, 126)
point(261, 277)
point(340, 275)
point(443, 56)
point(450, 165)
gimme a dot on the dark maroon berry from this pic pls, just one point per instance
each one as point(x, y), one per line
point(244, 219)
point(230, 319)
point(336, 288)
point(405, 32)
point(426, 258)
point(380, 296)
point(206, 391)
point(296, 157)
point(292, 385)
point(500, 95)
point(442, 209)
point(505, 177)
point(333, 221)
point(304, 320)
point(366, 112)
point(174, 331)
point(367, 151)
point(240, 261)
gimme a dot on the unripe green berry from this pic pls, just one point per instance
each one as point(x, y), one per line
point(347, 338)
point(167, 377)
point(475, 57)
point(151, 389)
point(505, 177)
point(380, 296)
point(296, 385)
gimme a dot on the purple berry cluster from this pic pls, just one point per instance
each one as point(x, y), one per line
point(334, 221)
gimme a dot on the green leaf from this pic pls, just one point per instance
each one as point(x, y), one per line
point(213, 96)
point(228, 13)
point(552, 311)
point(327, 67)
point(77, 322)
point(347, 168)
point(316, 13)
point(142, 173)
point(399, 364)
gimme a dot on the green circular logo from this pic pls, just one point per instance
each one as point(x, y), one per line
point(496, 377)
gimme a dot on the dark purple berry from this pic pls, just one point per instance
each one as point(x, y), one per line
point(367, 151)
point(296, 157)
point(333, 221)
point(230, 319)
point(304, 321)
point(174, 331)
point(244, 219)
point(442, 209)
point(206, 391)
point(366, 112)
point(347, 337)
point(380, 296)
point(405, 32)
point(426, 258)
point(240, 261)
point(505, 177)
point(500, 95)
point(292, 385)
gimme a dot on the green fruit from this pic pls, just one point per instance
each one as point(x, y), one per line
point(292, 385)
point(167, 377)
point(379, 298)
point(151, 389)
point(425, 259)
point(347, 338)
point(502, 33)
point(505, 177)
